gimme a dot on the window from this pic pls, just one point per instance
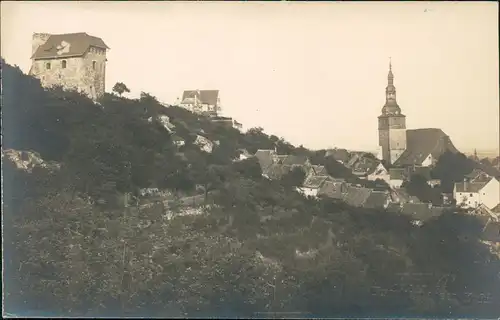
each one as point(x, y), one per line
point(471, 194)
point(94, 64)
point(47, 66)
point(63, 64)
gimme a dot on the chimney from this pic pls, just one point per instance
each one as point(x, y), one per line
point(465, 184)
point(38, 40)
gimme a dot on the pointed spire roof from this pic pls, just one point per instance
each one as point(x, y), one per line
point(391, 106)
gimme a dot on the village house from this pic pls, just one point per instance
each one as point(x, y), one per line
point(472, 193)
point(72, 60)
point(333, 188)
point(201, 101)
point(312, 185)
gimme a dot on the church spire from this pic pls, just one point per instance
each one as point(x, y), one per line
point(391, 106)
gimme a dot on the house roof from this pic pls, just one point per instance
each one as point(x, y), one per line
point(472, 187)
point(79, 43)
point(331, 189)
point(376, 199)
point(355, 196)
point(204, 96)
point(319, 170)
point(315, 182)
point(265, 158)
point(365, 165)
point(422, 142)
point(491, 232)
point(397, 173)
point(421, 211)
point(489, 170)
point(295, 160)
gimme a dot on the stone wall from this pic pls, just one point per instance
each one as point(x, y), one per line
point(85, 74)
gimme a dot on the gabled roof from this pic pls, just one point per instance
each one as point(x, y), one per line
point(474, 174)
point(204, 96)
point(377, 199)
point(78, 44)
point(314, 182)
point(422, 142)
point(319, 170)
point(421, 211)
point(472, 187)
point(331, 189)
point(489, 169)
point(355, 196)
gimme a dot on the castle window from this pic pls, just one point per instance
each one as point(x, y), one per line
point(47, 66)
point(94, 64)
point(63, 64)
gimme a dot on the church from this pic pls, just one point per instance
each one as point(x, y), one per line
point(401, 147)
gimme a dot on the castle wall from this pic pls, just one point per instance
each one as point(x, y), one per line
point(86, 74)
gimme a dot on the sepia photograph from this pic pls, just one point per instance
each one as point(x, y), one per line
point(250, 159)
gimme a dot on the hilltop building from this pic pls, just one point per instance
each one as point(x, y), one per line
point(401, 147)
point(201, 101)
point(71, 60)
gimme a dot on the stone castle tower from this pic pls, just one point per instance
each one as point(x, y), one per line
point(72, 60)
point(391, 125)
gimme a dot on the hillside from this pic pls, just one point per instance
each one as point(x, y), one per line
point(254, 245)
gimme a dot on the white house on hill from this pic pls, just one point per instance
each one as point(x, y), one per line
point(472, 194)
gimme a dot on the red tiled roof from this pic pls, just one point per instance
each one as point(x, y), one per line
point(422, 142)
point(79, 43)
point(204, 96)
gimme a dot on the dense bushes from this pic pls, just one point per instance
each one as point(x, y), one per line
point(262, 248)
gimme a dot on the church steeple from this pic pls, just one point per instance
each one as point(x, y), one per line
point(391, 106)
point(391, 124)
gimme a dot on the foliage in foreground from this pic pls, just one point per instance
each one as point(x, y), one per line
point(259, 247)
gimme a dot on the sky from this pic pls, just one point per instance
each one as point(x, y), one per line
point(312, 73)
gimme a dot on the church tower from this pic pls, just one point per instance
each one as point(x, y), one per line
point(391, 125)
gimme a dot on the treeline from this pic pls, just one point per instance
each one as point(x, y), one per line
point(259, 247)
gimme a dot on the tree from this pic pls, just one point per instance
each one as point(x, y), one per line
point(120, 88)
point(294, 178)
